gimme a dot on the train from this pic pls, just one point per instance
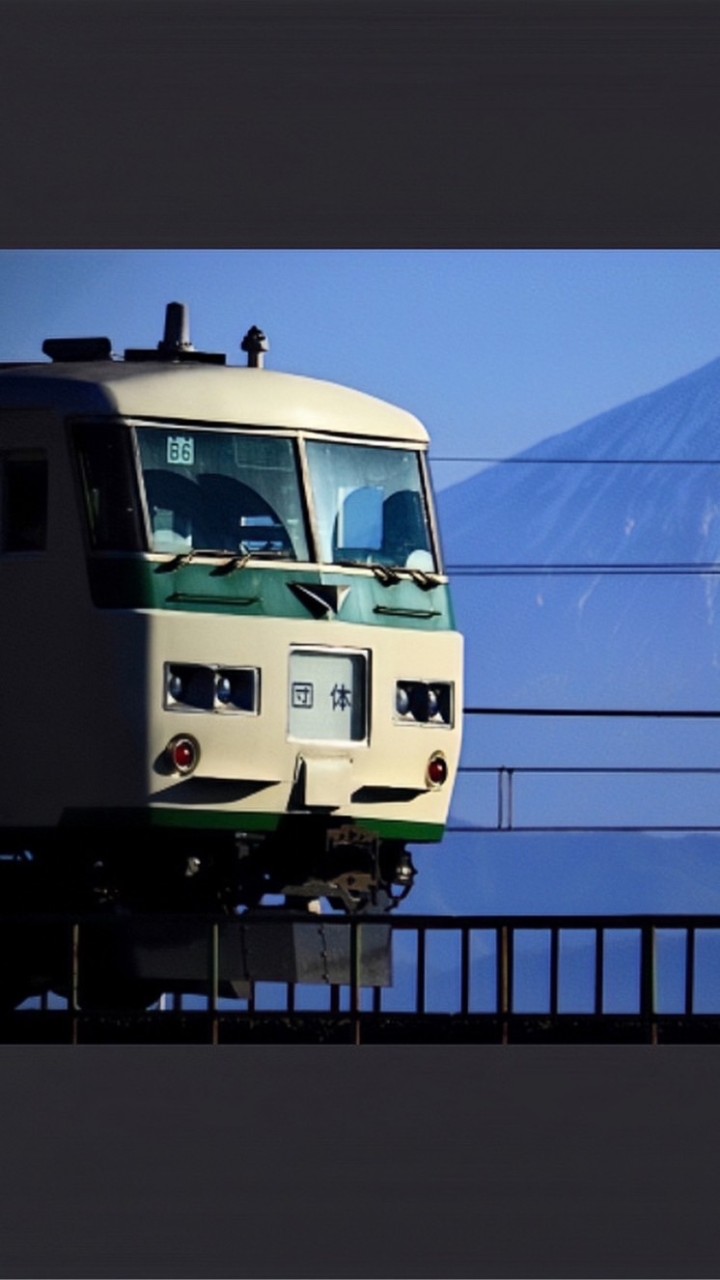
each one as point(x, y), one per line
point(230, 668)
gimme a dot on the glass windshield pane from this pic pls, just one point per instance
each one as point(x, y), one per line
point(222, 491)
point(370, 506)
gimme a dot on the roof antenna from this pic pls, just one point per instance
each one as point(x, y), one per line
point(255, 344)
point(177, 330)
point(175, 346)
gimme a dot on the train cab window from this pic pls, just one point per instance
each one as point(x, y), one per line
point(370, 505)
point(24, 502)
point(225, 491)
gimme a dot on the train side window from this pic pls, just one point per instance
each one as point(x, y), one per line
point(109, 486)
point(24, 503)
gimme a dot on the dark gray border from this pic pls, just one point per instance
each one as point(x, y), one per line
point(325, 123)
point(359, 1162)
point(372, 123)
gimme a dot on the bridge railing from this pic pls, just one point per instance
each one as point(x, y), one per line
point(463, 978)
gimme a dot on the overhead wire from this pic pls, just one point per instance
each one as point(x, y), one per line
point(662, 567)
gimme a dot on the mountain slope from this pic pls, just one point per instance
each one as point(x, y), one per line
point(636, 488)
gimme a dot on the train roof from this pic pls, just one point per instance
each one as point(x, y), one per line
point(204, 392)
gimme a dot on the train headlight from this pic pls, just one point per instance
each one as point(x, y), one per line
point(195, 687)
point(183, 754)
point(175, 687)
point(424, 702)
point(437, 770)
point(223, 689)
point(237, 689)
point(402, 700)
point(189, 686)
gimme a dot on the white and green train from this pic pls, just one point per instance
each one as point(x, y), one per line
point(229, 661)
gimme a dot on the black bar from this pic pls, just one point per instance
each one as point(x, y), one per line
point(554, 969)
point(599, 970)
point(581, 570)
point(581, 462)
point(647, 972)
point(420, 976)
point(354, 979)
point(504, 947)
point(464, 970)
point(403, 921)
point(591, 712)
point(549, 920)
point(576, 829)
point(506, 940)
point(610, 770)
point(690, 970)
point(75, 980)
point(214, 980)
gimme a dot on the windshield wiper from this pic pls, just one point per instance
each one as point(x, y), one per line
point(272, 553)
point(399, 573)
point(232, 560)
point(388, 576)
point(185, 557)
point(426, 581)
point(391, 575)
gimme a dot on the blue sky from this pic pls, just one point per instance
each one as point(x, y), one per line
point(493, 351)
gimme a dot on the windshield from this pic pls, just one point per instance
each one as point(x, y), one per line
point(242, 493)
point(370, 506)
point(222, 491)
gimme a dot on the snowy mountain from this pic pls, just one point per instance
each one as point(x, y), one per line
point(582, 580)
point(591, 548)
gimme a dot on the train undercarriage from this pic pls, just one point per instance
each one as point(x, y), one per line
point(111, 879)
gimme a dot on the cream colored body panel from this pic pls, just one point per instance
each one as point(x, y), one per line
point(210, 394)
point(242, 747)
point(99, 740)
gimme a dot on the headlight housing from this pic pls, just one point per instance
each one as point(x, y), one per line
point(192, 687)
point(424, 702)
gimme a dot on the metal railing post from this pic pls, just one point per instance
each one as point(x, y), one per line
point(214, 978)
point(599, 994)
point(420, 975)
point(465, 970)
point(504, 949)
point(554, 969)
point(75, 979)
point(647, 979)
point(355, 979)
point(689, 971)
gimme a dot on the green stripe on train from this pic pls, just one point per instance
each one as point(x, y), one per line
point(215, 820)
point(129, 582)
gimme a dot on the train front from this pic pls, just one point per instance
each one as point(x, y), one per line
point(303, 683)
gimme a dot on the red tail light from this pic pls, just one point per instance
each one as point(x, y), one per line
point(183, 754)
point(437, 770)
